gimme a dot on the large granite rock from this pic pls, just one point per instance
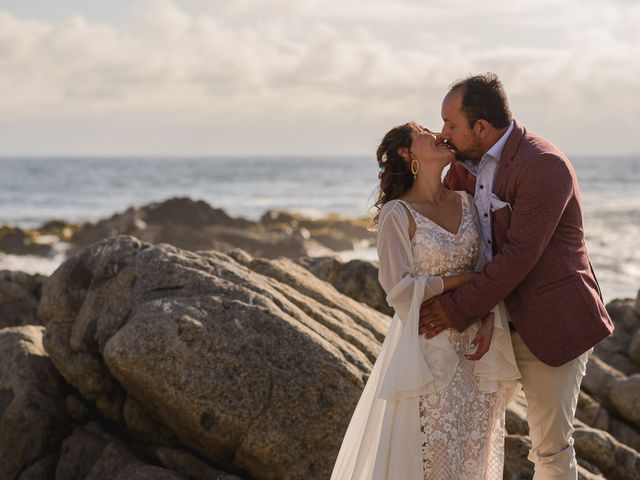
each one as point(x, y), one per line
point(238, 362)
point(357, 279)
point(19, 297)
point(32, 412)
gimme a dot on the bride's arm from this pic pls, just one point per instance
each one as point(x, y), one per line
point(396, 272)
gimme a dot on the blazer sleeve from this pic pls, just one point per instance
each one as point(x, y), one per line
point(396, 271)
point(542, 194)
point(459, 178)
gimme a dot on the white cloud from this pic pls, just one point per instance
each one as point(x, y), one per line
point(240, 63)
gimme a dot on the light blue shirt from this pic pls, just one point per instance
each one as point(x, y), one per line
point(485, 172)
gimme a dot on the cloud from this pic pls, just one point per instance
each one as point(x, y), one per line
point(242, 61)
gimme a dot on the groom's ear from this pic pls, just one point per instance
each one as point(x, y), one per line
point(482, 128)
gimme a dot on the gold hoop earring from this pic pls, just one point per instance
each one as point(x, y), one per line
point(415, 166)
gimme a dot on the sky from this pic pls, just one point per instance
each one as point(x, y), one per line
point(305, 77)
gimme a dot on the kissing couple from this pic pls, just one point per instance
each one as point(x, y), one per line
point(493, 291)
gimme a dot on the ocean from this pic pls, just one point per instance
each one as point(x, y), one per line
point(34, 190)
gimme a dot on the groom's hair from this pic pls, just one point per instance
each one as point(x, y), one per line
point(483, 97)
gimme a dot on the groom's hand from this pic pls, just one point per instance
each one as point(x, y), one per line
point(433, 318)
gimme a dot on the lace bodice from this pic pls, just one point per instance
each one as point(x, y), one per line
point(437, 251)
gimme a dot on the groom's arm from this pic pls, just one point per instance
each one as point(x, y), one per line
point(459, 178)
point(543, 191)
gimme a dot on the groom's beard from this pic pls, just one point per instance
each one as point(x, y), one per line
point(472, 154)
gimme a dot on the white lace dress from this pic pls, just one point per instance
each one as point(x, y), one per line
point(462, 428)
point(426, 412)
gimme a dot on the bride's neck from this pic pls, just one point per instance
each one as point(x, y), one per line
point(428, 187)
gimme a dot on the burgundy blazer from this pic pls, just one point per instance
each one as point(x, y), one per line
point(540, 266)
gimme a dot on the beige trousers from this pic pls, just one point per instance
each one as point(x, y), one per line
point(552, 397)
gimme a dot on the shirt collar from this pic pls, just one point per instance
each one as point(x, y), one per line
point(496, 151)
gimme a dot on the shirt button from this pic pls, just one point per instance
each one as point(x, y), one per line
point(481, 187)
point(486, 215)
point(489, 242)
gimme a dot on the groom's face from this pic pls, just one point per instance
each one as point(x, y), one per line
point(456, 130)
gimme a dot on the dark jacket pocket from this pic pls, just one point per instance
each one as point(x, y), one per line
point(556, 284)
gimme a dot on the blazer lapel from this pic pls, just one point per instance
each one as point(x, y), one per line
point(508, 154)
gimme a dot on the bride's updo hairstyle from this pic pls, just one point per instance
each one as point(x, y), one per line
point(395, 173)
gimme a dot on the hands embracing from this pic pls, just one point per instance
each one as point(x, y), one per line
point(483, 338)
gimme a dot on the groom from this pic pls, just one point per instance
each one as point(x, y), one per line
point(530, 214)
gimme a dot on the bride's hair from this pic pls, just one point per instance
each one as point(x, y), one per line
point(395, 174)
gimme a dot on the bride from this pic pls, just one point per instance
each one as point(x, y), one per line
point(431, 409)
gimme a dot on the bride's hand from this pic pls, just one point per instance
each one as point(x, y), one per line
point(482, 338)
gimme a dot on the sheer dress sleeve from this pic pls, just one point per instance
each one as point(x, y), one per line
point(397, 272)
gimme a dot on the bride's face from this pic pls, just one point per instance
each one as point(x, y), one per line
point(427, 147)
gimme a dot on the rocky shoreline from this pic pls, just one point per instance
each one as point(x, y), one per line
point(195, 225)
point(223, 358)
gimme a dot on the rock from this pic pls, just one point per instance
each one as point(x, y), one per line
point(357, 279)
point(143, 426)
point(193, 213)
point(128, 222)
point(588, 471)
point(625, 433)
point(637, 304)
point(238, 362)
point(116, 463)
point(613, 459)
point(41, 469)
point(194, 225)
point(599, 379)
point(60, 228)
point(614, 349)
point(92, 454)
point(333, 232)
point(77, 409)
point(32, 413)
point(634, 347)
point(189, 466)
point(624, 314)
point(17, 241)
point(591, 412)
point(516, 416)
point(516, 464)
point(625, 395)
point(81, 450)
point(19, 297)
